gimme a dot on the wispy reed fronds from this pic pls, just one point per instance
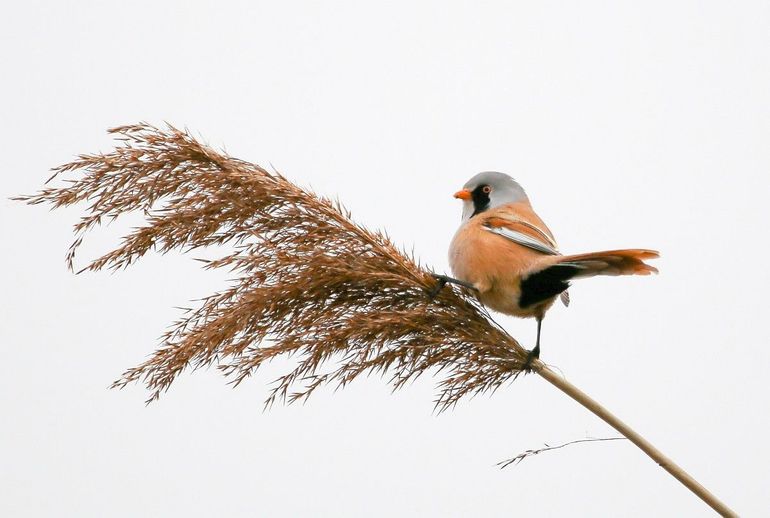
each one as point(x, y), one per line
point(547, 447)
point(311, 284)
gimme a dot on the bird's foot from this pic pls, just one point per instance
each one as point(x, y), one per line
point(443, 280)
point(533, 355)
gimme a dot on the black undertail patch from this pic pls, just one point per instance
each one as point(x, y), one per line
point(547, 283)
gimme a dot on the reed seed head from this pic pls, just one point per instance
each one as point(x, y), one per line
point(310, 283)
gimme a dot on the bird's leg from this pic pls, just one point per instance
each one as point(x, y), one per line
point(534, 354)
point(443, 280)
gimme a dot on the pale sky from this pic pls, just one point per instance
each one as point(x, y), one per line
point(630, 124)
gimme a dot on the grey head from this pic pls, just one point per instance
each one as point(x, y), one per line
point(488, 190)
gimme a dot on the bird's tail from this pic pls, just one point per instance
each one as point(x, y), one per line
point(552, 280)
point(611, 262)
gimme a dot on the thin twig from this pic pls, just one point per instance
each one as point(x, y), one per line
point(530, 453)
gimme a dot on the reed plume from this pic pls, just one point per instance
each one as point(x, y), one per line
point(310, 283)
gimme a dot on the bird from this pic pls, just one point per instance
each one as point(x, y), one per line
point(508, 256)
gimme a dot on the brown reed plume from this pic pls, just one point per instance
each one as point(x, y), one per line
point(311, 284)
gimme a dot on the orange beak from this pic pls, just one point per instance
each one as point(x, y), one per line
point(465, 194)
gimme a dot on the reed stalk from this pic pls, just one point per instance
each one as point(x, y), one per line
point(629, 433)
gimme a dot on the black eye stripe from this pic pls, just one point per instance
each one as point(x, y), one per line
point(480, 196)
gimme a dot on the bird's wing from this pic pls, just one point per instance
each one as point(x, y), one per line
point(522, 233)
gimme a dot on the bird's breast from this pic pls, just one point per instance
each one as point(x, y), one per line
point(494, 265)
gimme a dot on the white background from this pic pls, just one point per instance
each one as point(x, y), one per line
point(630, 124)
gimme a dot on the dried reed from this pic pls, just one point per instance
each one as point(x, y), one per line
point(311, 284)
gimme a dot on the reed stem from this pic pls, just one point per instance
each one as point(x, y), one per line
point(608, 417)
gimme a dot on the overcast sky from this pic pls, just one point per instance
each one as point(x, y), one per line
point(630, 124)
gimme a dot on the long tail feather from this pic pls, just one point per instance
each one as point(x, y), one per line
point(612, 262)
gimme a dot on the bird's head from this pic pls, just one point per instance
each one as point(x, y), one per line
point(488, 190)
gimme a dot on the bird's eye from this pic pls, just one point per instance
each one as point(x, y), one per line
point(486, 189)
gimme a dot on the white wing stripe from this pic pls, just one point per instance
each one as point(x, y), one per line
point(523, 239)
point(513, 219)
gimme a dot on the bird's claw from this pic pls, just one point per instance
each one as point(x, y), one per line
point(441, 281)
point(532, 355)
